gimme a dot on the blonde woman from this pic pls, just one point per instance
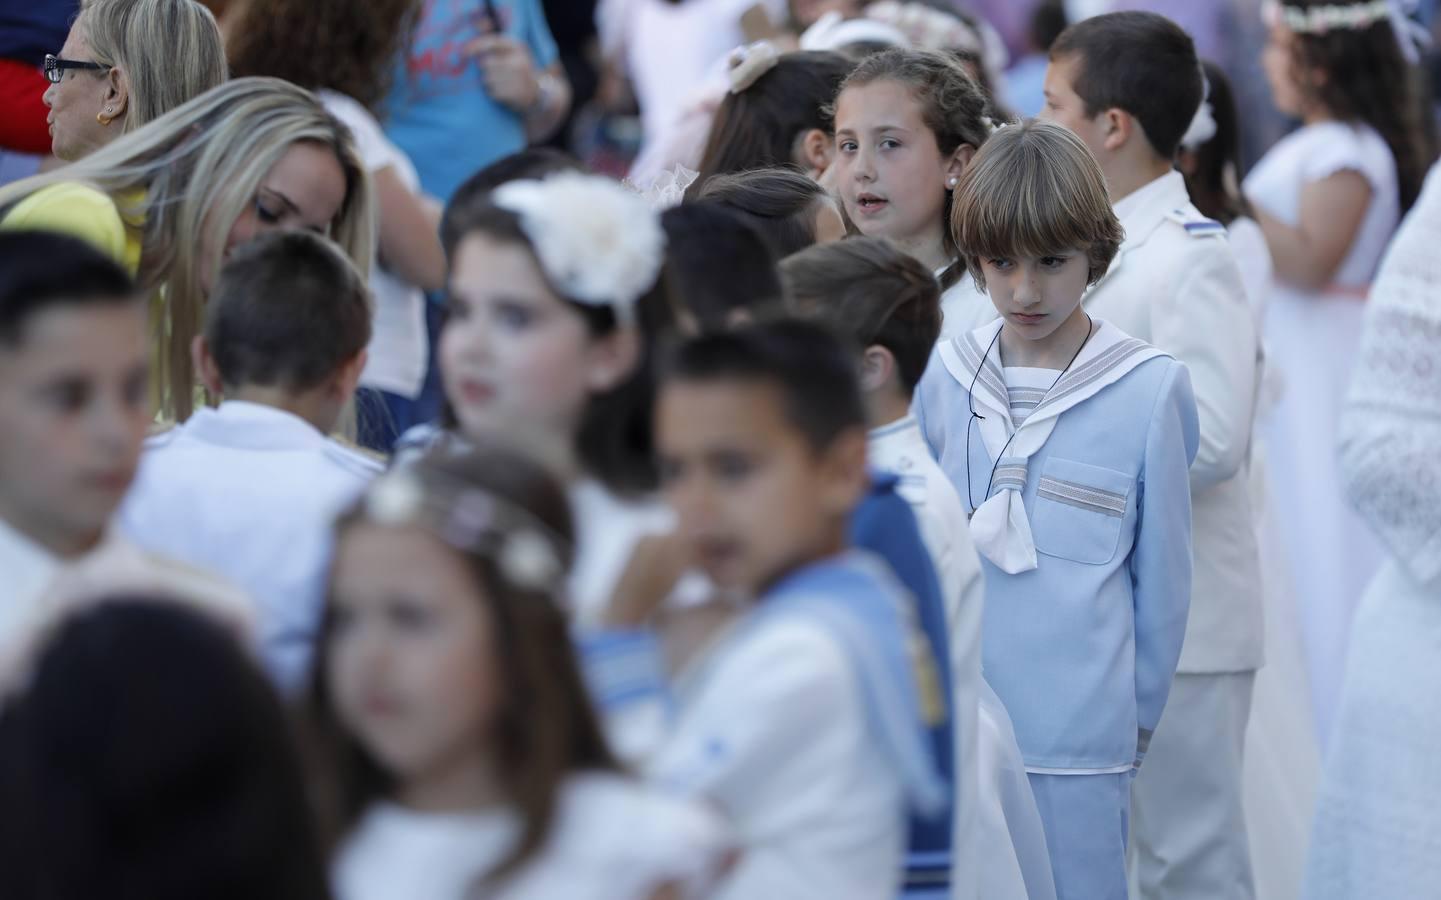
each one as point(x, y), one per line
point(173, 199)
point(126, 63)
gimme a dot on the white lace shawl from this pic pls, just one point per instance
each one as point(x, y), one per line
point(1391, 426)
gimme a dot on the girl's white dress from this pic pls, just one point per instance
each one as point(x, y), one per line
point(1283, 760)
point(1312, 339)
point(1378, 822)
point(613, 839)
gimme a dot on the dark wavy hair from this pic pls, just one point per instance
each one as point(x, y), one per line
point(1368, 80)
point(349, 48)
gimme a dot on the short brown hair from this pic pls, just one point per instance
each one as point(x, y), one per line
point(870, 293)
point(1034, 189)
point(288, 311)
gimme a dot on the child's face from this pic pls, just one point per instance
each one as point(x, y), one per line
point(753, 498)
point(1035, 295)
point(890, 171)
point(74, 408)
point(513, 354)
point(1278, 61)
point(411, 656)
point(1065, 107)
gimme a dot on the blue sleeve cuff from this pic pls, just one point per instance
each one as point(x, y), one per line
point(622, 667)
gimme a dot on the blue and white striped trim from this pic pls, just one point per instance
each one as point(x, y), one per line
point(621, 667)
point(1010, 474)
point(927, 872)
point(1107, 503)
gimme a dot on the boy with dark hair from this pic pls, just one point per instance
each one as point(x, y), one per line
point(1129, 84)
point(250, 489)
point(804, 721)
point(888, 305)
point(73, 407)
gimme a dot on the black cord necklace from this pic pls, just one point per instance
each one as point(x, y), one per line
point(971, 399)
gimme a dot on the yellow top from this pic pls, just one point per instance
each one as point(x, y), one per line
point(81, 211)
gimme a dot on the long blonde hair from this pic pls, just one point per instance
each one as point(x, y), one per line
point(188, 176)
point(170, 50)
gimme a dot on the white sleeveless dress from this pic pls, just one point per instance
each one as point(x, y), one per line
point(1312, 339)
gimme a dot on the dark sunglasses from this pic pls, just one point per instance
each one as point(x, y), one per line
point(55, 67)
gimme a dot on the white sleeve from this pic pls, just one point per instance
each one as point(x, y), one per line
point(1204, 320)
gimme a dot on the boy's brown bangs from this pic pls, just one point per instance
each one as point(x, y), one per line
point(1016, 205)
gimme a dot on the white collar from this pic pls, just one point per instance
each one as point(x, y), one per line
point(29, 568)
point(1144, 208)
point(1000, 525)
point(899, 426)
point(252, 426)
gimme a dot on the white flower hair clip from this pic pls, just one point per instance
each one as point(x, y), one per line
point(1202, 127)
point(472, 520)
point(599, 243)
point(747, 64)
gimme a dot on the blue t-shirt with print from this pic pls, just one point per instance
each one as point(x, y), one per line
point(439, 112)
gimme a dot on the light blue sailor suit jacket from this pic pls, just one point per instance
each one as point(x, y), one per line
point(1082, 649)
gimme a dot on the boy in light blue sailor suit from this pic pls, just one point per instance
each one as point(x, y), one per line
point(250, 490)
point(1128, 84)
point(1070, 443)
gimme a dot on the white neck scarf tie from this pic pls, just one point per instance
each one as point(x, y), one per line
point(1000, 525)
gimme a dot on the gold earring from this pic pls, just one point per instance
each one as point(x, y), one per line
point(105, 118)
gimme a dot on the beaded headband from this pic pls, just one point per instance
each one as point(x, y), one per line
point(472, 520)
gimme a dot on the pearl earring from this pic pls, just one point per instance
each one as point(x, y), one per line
point(953, 181)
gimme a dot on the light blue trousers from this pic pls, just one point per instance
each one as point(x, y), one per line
point(1087, 819)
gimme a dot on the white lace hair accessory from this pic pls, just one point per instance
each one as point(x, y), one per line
point(747, 64)
point(666, 189)
point(833, 31)
point(471, 520)
point(1317, 20)
point(599, 243)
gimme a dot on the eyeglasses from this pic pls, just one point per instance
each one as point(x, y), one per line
point(55, 67)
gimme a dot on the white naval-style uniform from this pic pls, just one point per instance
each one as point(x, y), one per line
point(900, 449)
point(1176, 285)
point(252, 493)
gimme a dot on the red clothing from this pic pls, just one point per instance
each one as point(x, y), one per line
point(22, 111)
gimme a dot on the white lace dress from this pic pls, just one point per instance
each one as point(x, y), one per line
point(1378, 821)
point(1312, 340)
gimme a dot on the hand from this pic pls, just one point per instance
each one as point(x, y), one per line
point(656, 565)
point(507, 70)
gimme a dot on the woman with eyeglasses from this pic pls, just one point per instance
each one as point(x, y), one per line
point(175, 198)
point(125, 63)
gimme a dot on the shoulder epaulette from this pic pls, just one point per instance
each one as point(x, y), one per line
point(1196, 225)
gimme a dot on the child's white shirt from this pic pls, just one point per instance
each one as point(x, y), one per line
point(900, 449)
point(251, 493)
point(612, 839)
point(964, 307)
